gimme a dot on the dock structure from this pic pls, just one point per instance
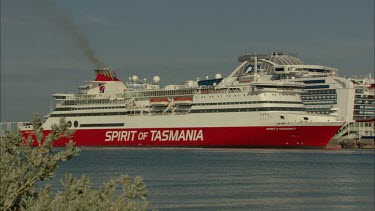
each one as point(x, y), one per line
point(356, 135)
point(10, 126)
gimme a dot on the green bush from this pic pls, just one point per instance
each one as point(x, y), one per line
point(23, 166)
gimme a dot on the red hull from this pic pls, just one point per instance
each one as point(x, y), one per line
point(290, 137)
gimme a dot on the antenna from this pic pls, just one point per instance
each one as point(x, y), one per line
point(255, 65)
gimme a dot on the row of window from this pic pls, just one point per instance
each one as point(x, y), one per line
point(158, 93)
point(59, 97)
point(370, 97)
point(245, 110)
point(361, 124)
point(317, 109)
point(89, 114)
point(228, 95)
point(314, 82)
point(364, 112)
point(86, 108)
point(365, 102)
point(315, 92)
point(364, 106)
point(84, 102)
point(164, 106)
point(317, 87)
point(319, 103)
point(319, 112)
point(248, 102)
point(319, 98)
point(365, 109)
point(278, 87)
point(103, 125)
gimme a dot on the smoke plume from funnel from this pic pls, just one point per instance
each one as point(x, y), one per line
point(64, 22)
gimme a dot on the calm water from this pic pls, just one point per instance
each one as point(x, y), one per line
point(238, 179)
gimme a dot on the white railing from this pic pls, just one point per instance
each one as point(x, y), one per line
point(356, 129)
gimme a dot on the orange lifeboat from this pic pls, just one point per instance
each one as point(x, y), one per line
point(183, 100)
point(159, 101)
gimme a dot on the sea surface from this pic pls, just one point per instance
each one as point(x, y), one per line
point(237, 179)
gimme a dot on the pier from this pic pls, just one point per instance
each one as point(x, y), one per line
point(355, 135)
point(10, 126)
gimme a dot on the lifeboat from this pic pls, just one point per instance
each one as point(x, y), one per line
point(183, 100)
point(159, 101)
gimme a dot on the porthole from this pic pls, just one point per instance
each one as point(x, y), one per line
point(75, 124)
point(69, 123)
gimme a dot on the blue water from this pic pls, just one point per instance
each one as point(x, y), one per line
point(237, 179)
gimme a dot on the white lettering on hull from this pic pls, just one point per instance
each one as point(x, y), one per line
point(155, 135)
point(281, 128)
point(177, 135)
point(119, 135)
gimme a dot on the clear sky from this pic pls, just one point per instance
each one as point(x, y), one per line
point(175, 39)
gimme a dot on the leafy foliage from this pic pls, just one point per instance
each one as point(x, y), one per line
point(23, 166)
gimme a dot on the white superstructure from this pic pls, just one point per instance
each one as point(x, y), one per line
point(327, 93)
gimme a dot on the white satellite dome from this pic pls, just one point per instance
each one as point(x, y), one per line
point(156, 79)
point(134, 78)
point(218, 76)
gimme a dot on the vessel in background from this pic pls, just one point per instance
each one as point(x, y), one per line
point(352, 98)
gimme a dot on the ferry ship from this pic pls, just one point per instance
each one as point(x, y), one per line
point(219, 112)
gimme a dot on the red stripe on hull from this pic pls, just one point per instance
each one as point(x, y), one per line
point(292, 137)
